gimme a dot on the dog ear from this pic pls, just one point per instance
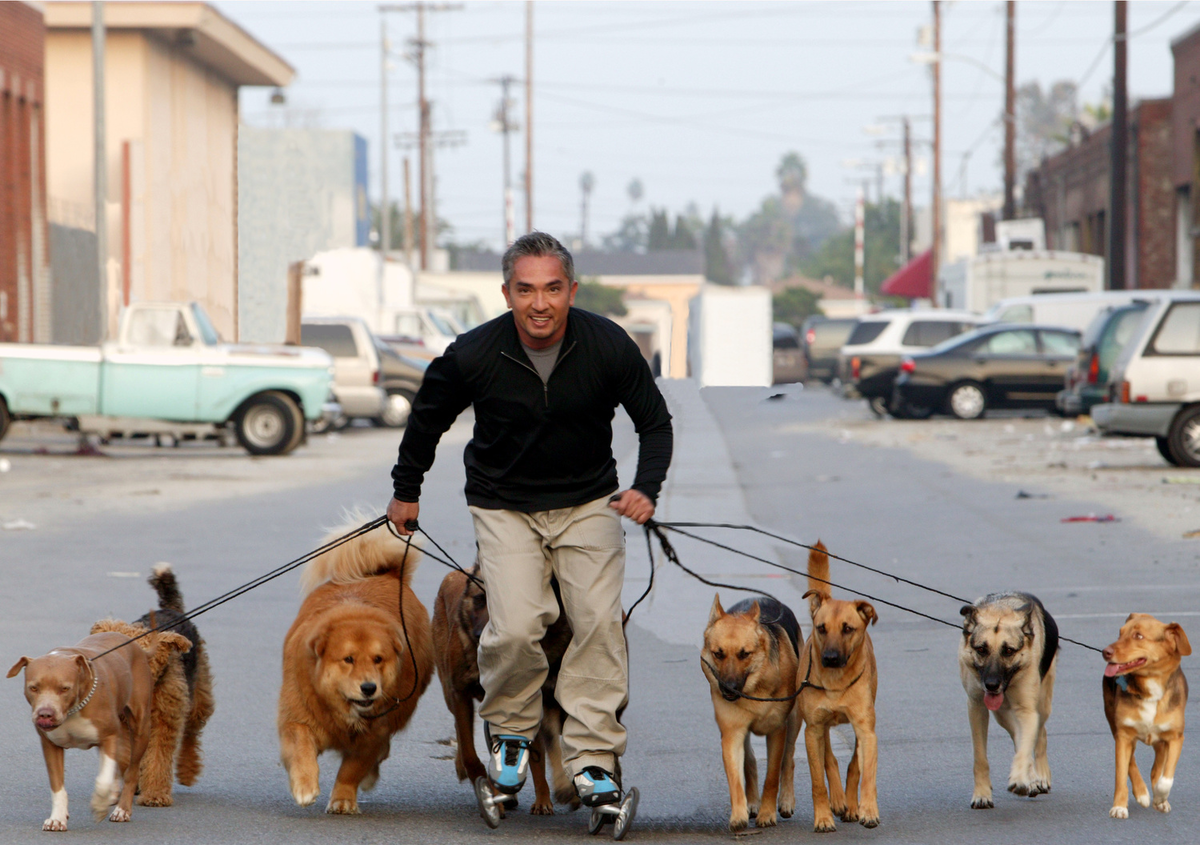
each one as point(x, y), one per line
point(317, 643)
point(1175, 633)
point(755, 611)
point(814, 600)
point(867, 612)
point(717, 612)
point(18, 666)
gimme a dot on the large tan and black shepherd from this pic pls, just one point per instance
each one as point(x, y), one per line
point(353, 668)
point(838, 685)
point(750, 653)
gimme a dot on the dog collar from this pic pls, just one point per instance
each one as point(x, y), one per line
point(82, 704)
point(1122, 682)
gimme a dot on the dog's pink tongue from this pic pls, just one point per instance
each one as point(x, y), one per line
point(1111, 670)
point(993, 700)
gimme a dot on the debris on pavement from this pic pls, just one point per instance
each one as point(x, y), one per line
point(1191, 535)
point(1182, 479)
point(5, 464)
point(1108, 517)
point(1021, 494)
point(18, 525)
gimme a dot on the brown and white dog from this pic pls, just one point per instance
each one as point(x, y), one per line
point(80, 699)
point(1145, 694)
point(839, 681)
point(460, 614)
point(750, 653)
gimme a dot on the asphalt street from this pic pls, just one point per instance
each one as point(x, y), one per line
point(741, 457)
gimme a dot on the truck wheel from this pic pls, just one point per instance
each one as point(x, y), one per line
point(266, 425)
point(1183, 440)
point(396, 408)
point(5, 418)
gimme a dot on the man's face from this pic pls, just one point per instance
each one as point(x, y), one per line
point(540, 297)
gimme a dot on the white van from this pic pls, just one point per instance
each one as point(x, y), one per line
point(1070, 310)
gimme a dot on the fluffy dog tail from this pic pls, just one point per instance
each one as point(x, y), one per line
point(818, 572)
point(162, 579)
point(372, 553)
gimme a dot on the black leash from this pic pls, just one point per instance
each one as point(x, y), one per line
point(411, 525)
point(656, 527)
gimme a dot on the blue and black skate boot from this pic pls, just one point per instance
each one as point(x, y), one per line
point(595, 787)
point(509, 761)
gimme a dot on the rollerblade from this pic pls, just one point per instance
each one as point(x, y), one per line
point(601, 791)
point(508, 764)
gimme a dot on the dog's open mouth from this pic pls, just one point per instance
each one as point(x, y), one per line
point(728, 694)
point(993, 700)
point(1111, 670)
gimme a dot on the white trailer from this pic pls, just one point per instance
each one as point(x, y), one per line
point(729, 336)
point(978, 283)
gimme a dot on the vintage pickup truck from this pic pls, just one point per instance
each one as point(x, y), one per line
point(170, 372)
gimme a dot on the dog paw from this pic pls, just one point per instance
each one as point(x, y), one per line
point(1118, 812)
point(54, 824)
point(767, 819)
point(119, 815)
point(1162, 805)
point(1143, 799)
point(753, 811)
point(343, 807)
point(787, 808)
point(100, 805)
point(869, 821)
point(824, 824)
point(305, 797)
point(739, 822)
point(846, 814)
point(982, 802)
point(542, 808)
point(144, 800)
point(1028, 789)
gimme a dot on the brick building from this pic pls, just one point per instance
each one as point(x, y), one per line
point(24, 257)
point(1070, 192)
point(1185, 153)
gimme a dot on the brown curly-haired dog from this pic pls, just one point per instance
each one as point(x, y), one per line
point(183, 692)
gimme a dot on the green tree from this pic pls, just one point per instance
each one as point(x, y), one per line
point(660, 230)
point(682, 237)
point(794, 305)
point(881, 246)
point(716, 260)
point(599, 299)
point(631, 236)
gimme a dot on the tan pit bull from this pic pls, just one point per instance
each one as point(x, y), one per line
point(82, 700)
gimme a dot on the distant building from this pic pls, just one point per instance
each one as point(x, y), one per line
point(172, 73)
point(25, 306)
point(1185, 156)
point(1070, 191)
point(300, 192)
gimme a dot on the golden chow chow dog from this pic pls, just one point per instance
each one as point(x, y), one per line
point(353, 667)
point(1145, 694)
point(750, 650)
point(460, 614)
point(839, 682)
point(1007, 659)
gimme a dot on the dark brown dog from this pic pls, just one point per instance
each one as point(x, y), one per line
point(459, 616)
point(751, 651)
point(82, 700)
point(837, 668)
point(1145, 694)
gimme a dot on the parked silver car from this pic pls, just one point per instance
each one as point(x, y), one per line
point(357, 369)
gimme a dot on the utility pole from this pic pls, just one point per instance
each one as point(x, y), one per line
point(100, 181)
point(1010, 116)
point(1120, 139)
point(529, 115)
point(503, 124)
point(417, 56)
point(859, 245)
point(936, 210)
point(385, 211)
point(586, 183)
point(408, 215)
point(906, 212)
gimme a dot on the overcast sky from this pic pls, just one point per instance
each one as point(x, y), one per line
point(699, 100)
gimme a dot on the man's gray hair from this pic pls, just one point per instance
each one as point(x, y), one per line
point(537, 245)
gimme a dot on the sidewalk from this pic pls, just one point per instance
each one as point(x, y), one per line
point(701, 486)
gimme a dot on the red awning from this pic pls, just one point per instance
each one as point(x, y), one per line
point(913, 279)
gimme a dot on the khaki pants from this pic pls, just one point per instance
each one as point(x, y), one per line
point(584, 548)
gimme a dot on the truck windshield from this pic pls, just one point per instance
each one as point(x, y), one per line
point(211, 338)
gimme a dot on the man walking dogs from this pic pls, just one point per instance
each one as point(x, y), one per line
point(545, 380)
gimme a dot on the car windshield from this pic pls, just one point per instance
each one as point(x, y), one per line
point(211, 338)
point(958, 340)
point(866, 331)
point(444, 325)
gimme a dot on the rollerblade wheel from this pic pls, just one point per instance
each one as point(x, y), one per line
point(596, 821)
point(624, 819)
point(489, 808)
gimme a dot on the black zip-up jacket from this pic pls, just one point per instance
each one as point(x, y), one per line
point(538, 446)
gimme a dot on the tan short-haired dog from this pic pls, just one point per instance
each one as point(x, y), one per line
point(82, 700)
point(751, 651)
point(839, 681)
point(1145, 694)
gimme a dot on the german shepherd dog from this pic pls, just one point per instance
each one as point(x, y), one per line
point(1145, 694)
point(460, 614)
point(839, 682)
point(751, 651)
point(1007, 660)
